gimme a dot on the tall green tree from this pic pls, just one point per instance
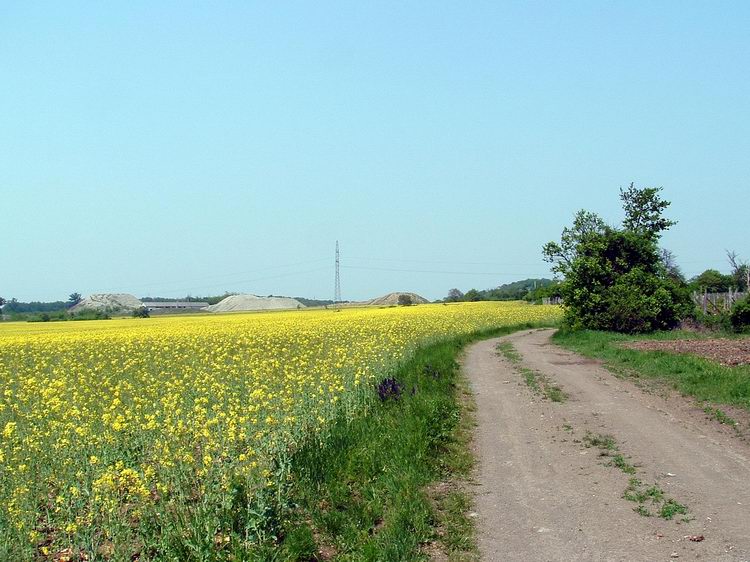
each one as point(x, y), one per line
point(454, 295)
point(616, 278)
point(712, 281)
point(643, 211)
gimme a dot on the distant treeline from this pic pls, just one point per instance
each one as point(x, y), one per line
point(17, 307)
point(59, 310)
point(313, 302)
point(528, 289)
point(712, 281)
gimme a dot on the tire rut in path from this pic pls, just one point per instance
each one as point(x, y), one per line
point(542, 495)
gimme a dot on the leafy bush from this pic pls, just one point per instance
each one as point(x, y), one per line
point(90, 315)
point(615, 278)
point(53, 316)
point(712, 281)
point(405, 300)
point(740, 316)
point(63, 316)
point(141, 312)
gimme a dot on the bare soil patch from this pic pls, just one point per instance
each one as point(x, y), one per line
point(729, 352)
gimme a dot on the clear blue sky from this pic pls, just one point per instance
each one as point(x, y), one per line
point(174, 147)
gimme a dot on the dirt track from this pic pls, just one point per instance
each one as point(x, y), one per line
point(543, 495)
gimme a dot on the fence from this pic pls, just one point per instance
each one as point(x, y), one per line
point(717, 303)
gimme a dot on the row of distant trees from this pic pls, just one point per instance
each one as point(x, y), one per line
point(14, 306)
point(714, 281)
point(529, 289)
point(711, 281)
point(618, 277)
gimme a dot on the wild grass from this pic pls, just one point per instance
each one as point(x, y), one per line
point(531, 378)
point(535, 380)
point(555, 393)
point(363, 494)
point(619, 461)
point(720, 416)
point(602, 442)
point(508, 351)
point(691, 375)
point(647, 498)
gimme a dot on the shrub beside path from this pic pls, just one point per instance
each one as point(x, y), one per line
point(552, 476)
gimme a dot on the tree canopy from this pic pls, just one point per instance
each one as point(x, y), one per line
point(616, 278)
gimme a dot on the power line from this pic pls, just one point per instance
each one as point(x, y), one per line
point(223, 276)
point(278, 276)
point(244, 281)
point(501, 264)
point(494, 273)
point(450, 262)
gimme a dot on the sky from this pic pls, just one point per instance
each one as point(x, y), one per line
point(173, 148)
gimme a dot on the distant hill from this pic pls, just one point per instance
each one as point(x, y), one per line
point(236, 303)
point(218, 298)
point(108, 302)
point(516, 290)
point(392, 298)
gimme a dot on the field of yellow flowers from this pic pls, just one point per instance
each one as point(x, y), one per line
point(121, 436)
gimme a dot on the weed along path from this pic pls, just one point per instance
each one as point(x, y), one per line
point(577, 464)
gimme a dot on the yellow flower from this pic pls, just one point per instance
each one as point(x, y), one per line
point(9, 430)
point(116, 413)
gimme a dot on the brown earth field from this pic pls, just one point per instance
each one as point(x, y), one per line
point(730, 352)
point(555, 466)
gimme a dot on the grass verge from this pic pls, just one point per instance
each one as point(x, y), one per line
point(693, 376)
point(387, 485)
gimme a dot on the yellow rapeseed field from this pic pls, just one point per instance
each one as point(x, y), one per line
point(119, 432)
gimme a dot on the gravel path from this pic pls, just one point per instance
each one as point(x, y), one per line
point(543, 495)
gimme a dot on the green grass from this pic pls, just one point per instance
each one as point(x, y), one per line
point(531, 379)
point(555, 393)
point(622, 463)
point(693, 376)
point(720, 416)
point(362, 492)
point(507, 350)
point(641, 510)
point(636, 491)
point(541, 385)
point(670, 508)
point(458, 532)
point(608, 448)
point(602, 442)
point(535, 380)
